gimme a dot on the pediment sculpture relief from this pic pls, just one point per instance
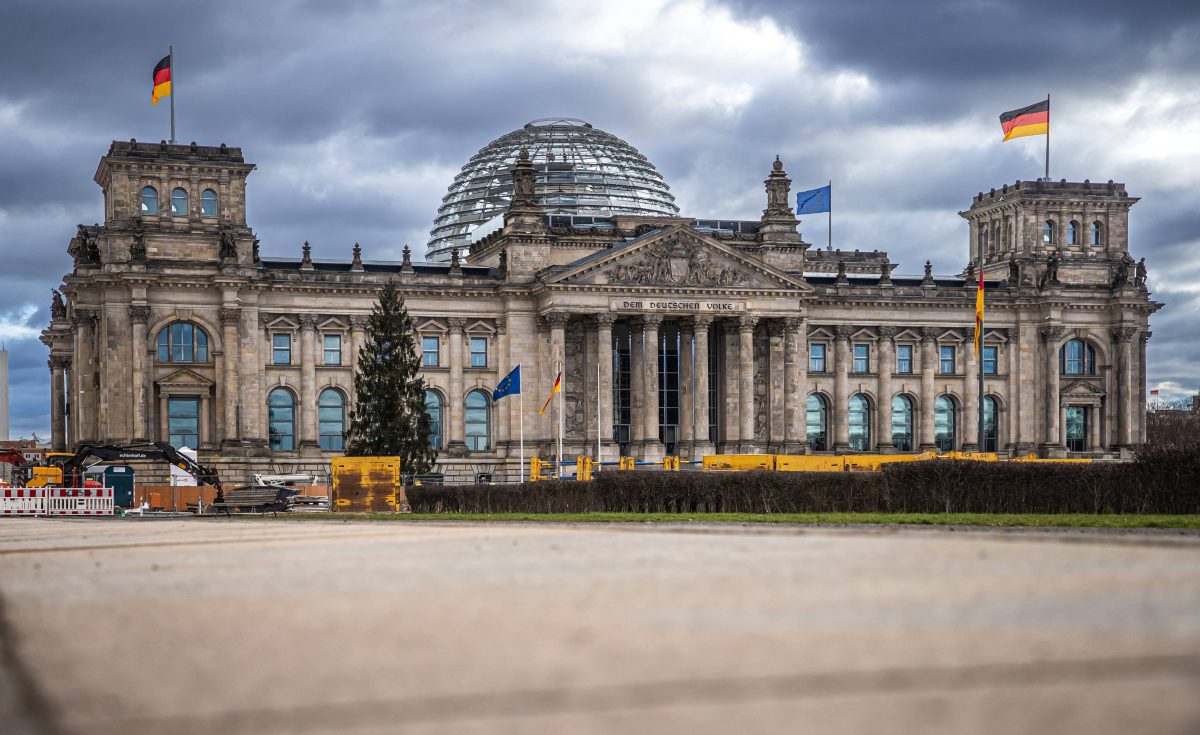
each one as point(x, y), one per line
point(674, 262)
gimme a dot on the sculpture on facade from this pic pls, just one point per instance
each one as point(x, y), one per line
point(1139, 278)
point(674, 262)
point(137, 246)
point(1121, 275)
point(83, 247)
point(58, 309)
point(1014, 274)
point(1050, 277)
point(228, 244)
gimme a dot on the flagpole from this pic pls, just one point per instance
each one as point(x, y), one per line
point(598, 424)
point(521, 421)
point(1047, 136)
point(560, 421)
point(979, 358)
point(171, 53)
point(831, 214)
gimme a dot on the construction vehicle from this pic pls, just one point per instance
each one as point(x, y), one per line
point(74, 467)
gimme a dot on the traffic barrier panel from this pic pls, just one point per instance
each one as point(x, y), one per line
point(79, 501)
point(739, 462)
point(22, 501)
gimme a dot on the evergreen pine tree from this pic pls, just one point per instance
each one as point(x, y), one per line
point(389, 416)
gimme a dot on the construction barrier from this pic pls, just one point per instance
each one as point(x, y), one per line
point(57, 501)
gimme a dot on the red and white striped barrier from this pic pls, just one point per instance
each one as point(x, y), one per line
point(57, 501)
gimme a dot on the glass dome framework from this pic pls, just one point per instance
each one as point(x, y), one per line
point(581, 171)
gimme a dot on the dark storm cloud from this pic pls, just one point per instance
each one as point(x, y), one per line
point(358, 115)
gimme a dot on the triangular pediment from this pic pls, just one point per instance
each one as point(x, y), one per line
point(281, 323)
point(908, 335)
point(1082, 389)
point(863, 335)
point(820, 334)
point(676, 257)
point(184, 379)
point(951, 335)
point(991, 335)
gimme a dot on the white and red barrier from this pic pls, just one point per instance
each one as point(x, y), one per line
point(56, 501)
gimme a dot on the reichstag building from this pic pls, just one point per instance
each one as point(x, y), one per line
point(559, 244)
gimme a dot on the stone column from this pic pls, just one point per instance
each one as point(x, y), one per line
point(205, 419)
point(1053, 438)
point(250, 368)
point(970, 432)
point(795, 366)
point(457, 446)
point(700, 439)
point(138, 315)
point(840, 410)
point(499, 410)
point(883, 411)
point(163, 425)
point(1123, 336)
point(230, 390)
point(308, 384)
point(776, 379)
point(558, 364)
point(637, 387)
point(654, 450)
point(85, 406)
point(68, 408)
point(687, 392)
point(746, 324)
point(928, 398)
point(604, 353)
point(358, 335)
point(57, 404)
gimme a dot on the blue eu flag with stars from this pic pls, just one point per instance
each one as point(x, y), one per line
point(813, 200)
point(510, 386)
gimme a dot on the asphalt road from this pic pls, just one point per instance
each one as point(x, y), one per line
point(323, 626)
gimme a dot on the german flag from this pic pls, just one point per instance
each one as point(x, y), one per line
point(979, 314)
point(162, 80)
point(1032, 120)
point(556, 389)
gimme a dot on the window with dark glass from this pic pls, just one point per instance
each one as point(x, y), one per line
point(183, 422)
point(947, 359)
point(991, 426)
point(281, 349)
point(479, 352)
point(816, 423)
point(904, 359)
point(902, 423)
point(331, 420)
point(816, 358)
point(862, 358)
point(944, 430)
point(1077, 358)
point(859, 420)
point(149, 200)
point(332, 344)
point(478, 421)
point(208, 203)
point(1072, 233)
point(1096, 234)
point(179, 204)
point(429, 351)
point(990, 361)
point(182, 342)
point(433, 409)
point(281, 419)
point(1048, 232)
point(1077, 428)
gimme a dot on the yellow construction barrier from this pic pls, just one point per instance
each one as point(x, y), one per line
point(671, 464)
point(583, 468)
point(1064, 460)
point(848, 462)
point(808, 463)
point(540, 469)
point(626, 463)
point(738, 462)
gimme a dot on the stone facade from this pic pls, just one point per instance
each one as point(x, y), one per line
point(172, 327)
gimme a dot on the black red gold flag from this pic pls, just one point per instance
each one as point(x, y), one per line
point(162, 80)
point(1032, 120)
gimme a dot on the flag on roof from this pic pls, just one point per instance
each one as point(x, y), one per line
point(814, 200)
point(162, 80)
point(1032, 120)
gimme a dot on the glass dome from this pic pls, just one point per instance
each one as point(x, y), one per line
point(581, 171)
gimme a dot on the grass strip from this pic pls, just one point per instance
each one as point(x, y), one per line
point(998, 520)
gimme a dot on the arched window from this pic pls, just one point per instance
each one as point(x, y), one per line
point(944, 432)
point(149, 200)
point(991, 425)
point(902, 423)
point(331, 418)
point(1048, 232)
point(433, 409)
point(281, 419)
point(1077, 358)
point(208, 203)
point(179, 202)
point(1072, 233)
point(1097, 229)
point(860, 423)
point(479, 434)
point(182, 342)
point(817, 421)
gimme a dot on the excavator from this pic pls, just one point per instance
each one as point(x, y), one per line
point(28, 474)
point(74, 467)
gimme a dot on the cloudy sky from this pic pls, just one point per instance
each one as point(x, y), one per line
point(358, 114)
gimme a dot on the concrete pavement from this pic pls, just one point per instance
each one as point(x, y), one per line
point(326, 626)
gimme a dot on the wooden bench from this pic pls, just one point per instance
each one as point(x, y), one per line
point(265, 499)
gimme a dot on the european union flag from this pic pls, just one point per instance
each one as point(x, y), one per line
point(814, 200)
point(510, 386)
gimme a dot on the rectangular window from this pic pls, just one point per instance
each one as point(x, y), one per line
point(947, 354)
point(862, 358)
point(183, 422)
point(281, 349)
point(429, 351)
point(479, 352)
point(816, 358)
point(333, 349)
point(990, 361)
point(904, 360)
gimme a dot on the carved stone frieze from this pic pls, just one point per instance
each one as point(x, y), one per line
point(674, 261)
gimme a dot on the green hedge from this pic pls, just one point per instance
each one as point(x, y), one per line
point(1169, 483)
